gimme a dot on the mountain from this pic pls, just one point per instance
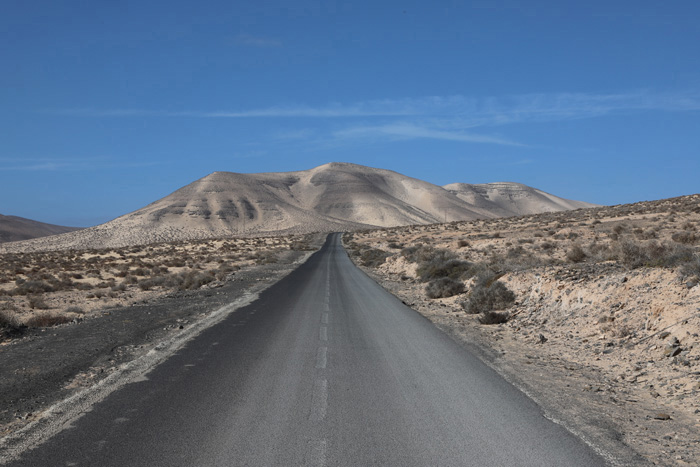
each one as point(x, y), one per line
point(13, 229)
point(506, 199)
point(332, 197)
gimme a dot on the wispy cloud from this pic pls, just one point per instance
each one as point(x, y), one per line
point(402, 130)
point(257, 41)
point(299, 134)
point(467, 111)
point(72, 164)
point(449, 118)
point(331, 111)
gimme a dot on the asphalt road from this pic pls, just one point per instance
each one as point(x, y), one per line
point(325, 368)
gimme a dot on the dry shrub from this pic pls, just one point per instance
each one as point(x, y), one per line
point(652, 254)
point(686, 238)
point(37, 302)
point(194, 279)
point(32, 287)
point(488, 294)
point(692, 267)
point(9, 319)
point(444, 287)
point(422, 253)
point(373, 257)
point(494, 317)
point(47, 319)
point(443, 266)
point(576, 254)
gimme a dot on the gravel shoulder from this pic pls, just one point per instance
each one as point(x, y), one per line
point(49, 365)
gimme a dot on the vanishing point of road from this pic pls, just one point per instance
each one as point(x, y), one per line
point(325, 368)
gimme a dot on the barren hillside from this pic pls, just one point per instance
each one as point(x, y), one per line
point(13, 229)
point(332, 197)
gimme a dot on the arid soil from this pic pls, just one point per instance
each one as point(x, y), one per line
point(49, 355)
point(603, 324)
point(43, 288)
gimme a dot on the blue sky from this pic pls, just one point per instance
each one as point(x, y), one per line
point(107, 106)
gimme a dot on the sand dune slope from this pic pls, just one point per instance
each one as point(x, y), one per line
point(332, 197)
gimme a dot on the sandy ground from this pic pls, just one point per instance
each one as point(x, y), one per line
point(609, 347)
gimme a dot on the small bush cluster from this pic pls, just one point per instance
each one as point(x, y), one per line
point(652, 254)
point(494, 317)
point(488, 294)
point(576, 254)
point(686, 238)
point(373, 257)
point(37, 302)
point(46, 320)
point(443, 266)
point(185, 280)
point(9, 319)
point(32, 287)
point(444, 287)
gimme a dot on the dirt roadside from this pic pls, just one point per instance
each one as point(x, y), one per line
point(48, 365)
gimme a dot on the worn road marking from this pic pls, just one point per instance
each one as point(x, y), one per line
point(321, 357)
point(319, 452)
point(323, 333)
point(319, 400)
point(324, 318)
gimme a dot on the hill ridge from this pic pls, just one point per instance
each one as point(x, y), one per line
point(336, 196)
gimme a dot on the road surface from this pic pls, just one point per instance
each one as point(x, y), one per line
point(325, 368)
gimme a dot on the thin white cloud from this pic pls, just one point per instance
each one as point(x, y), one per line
point(334, 111)
point(300, 134)
point(411, 131)
point(465, 111)
point(48, 164)
point(257, 41)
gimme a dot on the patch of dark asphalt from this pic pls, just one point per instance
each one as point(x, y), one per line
point(51, 364)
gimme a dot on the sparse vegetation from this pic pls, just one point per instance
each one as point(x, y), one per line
point(488, 294)
point(47, 319)
point(576, 254)
point(373, 257)
point(31, 282)
point(444, 287)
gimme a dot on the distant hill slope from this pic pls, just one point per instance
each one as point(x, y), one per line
point(512, 199)
point(332, 197)
point(13, 229)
